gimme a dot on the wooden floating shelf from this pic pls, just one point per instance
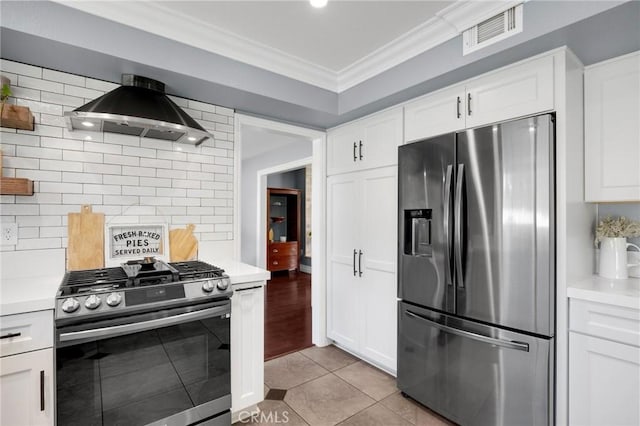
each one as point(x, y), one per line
point(16, 117)
point(16, 186)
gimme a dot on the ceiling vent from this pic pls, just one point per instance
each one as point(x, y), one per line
point(492, 30)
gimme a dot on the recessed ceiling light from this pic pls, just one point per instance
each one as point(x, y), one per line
point(192, 138)
point(318, 3)
point(87, 124)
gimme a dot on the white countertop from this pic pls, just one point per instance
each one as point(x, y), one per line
point(19, 295)
point(240, 273)
point(624, 293)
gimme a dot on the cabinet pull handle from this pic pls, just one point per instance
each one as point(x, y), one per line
point(360, 263)
point(10, 335)
point(275, 262)
point(41, 390)
point(275, 250)
point(355, 146)
point(458, 101)
point(468, 103)
point(361, 156)
point(354, 262)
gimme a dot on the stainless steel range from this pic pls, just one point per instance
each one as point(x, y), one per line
point(146, 343)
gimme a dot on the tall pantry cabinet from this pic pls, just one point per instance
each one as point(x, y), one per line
point(362, 236)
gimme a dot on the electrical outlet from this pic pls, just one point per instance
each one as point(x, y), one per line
point(9, 234)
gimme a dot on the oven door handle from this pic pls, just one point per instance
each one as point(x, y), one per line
point(118, 330)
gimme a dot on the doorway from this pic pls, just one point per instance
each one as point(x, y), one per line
point(252, 232)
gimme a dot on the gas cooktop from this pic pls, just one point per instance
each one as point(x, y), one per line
point(146, 284)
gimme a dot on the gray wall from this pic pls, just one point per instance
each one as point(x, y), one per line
point(294, 179)
point(298, 149)
point(628, 210)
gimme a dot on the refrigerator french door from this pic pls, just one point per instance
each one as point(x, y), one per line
point(476, 273)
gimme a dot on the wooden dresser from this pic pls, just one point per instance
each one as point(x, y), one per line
point(282, 256)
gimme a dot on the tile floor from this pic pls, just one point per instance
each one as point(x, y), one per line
point(327, 386)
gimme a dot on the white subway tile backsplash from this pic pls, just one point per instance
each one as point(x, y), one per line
point(105, 169)
point(21, 163)
point(25, 93)
point(155, 182)
point(40, 176)
point(103, 86)
point(86, 157)
point(62, 188)
point(129, 179)
point(19, 139)
point(69, 166)
point(66, 144)
point(139, 152)
point(63, 77)
point(102, 147)
point(82, 92)
point(157, 164)
point(81, 177)
point(138, 171)
point(102, 189)
point(81, 199)
point(57, 98)
point(139, 190)
point(39, 84)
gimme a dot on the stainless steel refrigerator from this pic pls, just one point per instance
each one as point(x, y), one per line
point(476, 273)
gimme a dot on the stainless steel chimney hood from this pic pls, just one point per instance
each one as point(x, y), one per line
point(140, 108)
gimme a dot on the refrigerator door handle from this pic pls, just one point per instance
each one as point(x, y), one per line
point(509, 344)
point(355, 272)
point(458, 226)
point(447, 225)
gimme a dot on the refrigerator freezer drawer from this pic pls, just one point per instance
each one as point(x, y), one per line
point(474, 374)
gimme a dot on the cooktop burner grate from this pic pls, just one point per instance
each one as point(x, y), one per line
point(194, 269)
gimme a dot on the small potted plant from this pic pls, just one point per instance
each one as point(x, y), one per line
point(612, 234)
point(13, 116)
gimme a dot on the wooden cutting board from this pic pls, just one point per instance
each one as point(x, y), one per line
point(183, 245)
point(86, 240)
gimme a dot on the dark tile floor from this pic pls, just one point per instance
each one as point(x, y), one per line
point(327, 386)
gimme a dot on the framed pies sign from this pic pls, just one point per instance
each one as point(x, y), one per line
point(125, 242)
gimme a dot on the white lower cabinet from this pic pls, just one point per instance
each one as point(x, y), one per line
point(361, 247)
point(26, 389)
point(247, 347)
point(604, 365)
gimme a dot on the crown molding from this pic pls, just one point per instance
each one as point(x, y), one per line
point(168, 23)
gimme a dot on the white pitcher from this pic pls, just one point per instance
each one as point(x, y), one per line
point(613, 258)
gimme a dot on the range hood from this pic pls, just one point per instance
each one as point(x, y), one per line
point(140, 108)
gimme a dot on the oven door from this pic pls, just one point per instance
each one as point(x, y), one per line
point(170, 367)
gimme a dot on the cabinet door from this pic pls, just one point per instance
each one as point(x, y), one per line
point(517, 91)
point(381, 136)
point(603, 382)
point(612, 130)
point(343, 292)
point(26, 383)
point(435, 114)
point(378, 331)
point(342, 149)
point(247, 347)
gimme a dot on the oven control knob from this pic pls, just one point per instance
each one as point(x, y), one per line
point(223, 284)
point(92, 302)
point(208, 286)
point(70, 304)
point(114, 299)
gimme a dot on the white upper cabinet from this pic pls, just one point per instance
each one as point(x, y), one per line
point(612, 130)
point(440, 112)
point(365, 144)
point(515, 91)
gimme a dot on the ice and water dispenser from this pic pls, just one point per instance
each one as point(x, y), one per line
point(417, 232)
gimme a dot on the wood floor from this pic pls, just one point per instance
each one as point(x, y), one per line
point(287, 314)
